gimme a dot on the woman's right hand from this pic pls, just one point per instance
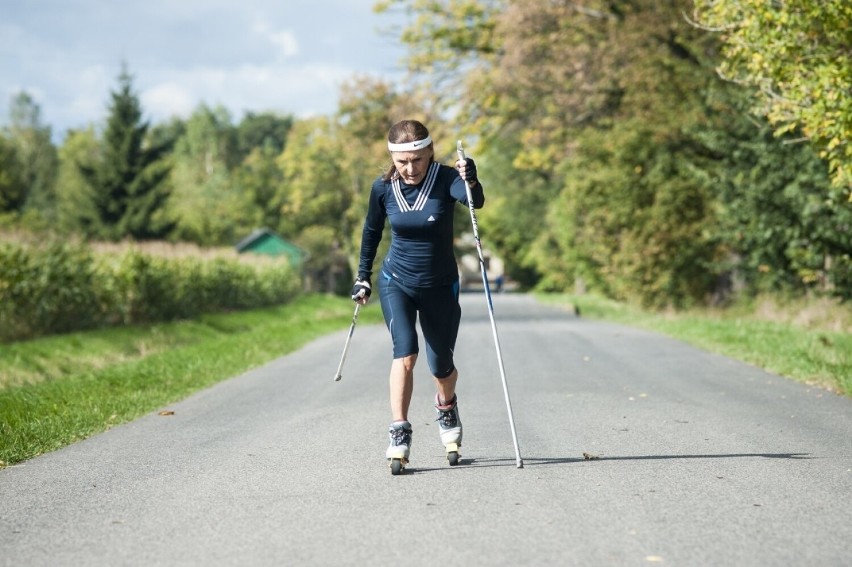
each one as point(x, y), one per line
point(361, 290)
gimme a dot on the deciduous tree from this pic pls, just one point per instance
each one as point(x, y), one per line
point(796, 54)
point(206, 201)
point(36, 153)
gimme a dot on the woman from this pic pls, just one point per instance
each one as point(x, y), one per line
point(419, 275)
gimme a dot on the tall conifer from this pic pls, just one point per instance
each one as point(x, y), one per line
point(128, 182)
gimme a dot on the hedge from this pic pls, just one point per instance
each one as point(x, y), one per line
point(61, 287)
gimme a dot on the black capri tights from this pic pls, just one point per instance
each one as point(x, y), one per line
point(440, 315)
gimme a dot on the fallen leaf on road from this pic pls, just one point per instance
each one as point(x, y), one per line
point(166, 412)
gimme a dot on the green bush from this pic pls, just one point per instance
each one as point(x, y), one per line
point(53, 289)
point(57, 288)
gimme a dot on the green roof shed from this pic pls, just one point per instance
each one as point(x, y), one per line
point(266, 242)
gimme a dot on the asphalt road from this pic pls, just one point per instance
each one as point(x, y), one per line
point(701, 461)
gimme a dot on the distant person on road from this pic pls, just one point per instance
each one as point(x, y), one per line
point(417, 196)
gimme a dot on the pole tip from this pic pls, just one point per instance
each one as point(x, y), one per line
point(520, 464)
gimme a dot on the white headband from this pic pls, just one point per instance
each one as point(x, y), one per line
point(410, 146)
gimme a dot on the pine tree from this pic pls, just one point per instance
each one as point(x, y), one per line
point(127, 183)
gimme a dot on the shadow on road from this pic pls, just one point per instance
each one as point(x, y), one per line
point(539, 461)
point(473, 462)
point(717, 456)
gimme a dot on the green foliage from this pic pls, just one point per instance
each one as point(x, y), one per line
point(74, 200)
point(783, 224)
point(28, 163)
point(796, 55)
point(53, 290)
point(514, 217)
point(149, 288)
point(37, 157)
point(13, 188)
point(259, 178)
point(127, 183)
point(451, 27)
point(622, 162)
point(603, 102)
point(63, 287)
point(314, 189)
point(205, 198)
point(630, 222)
point(266, 131)
point(166, 133)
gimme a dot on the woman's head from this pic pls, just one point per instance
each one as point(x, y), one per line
point(411, 150)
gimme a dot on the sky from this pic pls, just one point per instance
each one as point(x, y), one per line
point(287, 56)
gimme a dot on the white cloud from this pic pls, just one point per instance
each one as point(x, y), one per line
point(168, 99)
point(302, 90)
point(284, 40)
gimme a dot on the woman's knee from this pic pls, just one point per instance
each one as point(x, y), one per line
point(408, 361)
point(443, 370)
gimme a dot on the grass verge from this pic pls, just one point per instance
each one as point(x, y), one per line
point(58, 390)
point(807, 341)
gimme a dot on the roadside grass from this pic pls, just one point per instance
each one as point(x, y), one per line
point(58, 390)
point(808, 341)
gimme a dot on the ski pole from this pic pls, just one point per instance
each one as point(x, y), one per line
point(519, 461)
point(338, 375)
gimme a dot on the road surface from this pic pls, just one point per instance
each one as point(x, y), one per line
point(700, 461)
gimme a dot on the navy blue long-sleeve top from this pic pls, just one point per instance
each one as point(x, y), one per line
point(421, 219)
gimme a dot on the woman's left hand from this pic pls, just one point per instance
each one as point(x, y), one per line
point(467, 170)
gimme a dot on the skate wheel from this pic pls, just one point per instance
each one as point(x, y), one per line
point(396, 466)
point(453, 457)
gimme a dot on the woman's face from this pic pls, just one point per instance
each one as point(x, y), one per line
point(412, 166)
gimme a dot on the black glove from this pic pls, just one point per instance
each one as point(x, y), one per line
point(470, 172)
point(362, 288)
